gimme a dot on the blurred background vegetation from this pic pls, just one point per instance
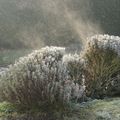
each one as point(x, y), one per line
point(32, 24)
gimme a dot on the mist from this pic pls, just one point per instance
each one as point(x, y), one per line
point(38, 23)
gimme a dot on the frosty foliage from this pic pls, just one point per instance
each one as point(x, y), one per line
point(102, 66)
point(43, 76)
point(105, 42)
point(49, 75)
point(74, 64)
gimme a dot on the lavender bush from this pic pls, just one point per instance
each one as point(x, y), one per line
point(102, 69)
point(44, 76)
point(104, 42)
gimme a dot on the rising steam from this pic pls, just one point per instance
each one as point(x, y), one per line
point(38, 23)
point(77, 18)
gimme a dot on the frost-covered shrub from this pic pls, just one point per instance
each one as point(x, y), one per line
point(42, 77)
point(105, 42)
point(102, 56)
point(74, 64)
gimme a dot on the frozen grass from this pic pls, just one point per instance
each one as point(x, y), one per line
point(107, 109)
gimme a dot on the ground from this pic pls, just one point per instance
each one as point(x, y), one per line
point(107, 109)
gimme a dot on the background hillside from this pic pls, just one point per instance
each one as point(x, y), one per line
point(36, 23)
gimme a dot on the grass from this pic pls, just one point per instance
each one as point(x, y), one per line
point(9, 56)
point(107, 109)
point(10, 111)
point(7, 109)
